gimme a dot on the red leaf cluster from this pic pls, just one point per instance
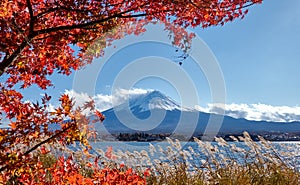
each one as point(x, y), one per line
point(66, 171)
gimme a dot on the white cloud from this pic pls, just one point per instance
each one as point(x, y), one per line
point(256, 112)
point(121, 95)
point(104, 102)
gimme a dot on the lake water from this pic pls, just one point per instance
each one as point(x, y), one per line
point(289, 151)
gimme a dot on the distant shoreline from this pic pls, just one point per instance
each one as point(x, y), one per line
point(158, 137)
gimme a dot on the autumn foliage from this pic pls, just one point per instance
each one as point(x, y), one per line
point(64, 170)
point(39, 37)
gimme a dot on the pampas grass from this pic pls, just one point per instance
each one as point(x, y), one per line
point(216, 162)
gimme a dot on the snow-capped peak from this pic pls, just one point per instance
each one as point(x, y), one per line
point(151, 100)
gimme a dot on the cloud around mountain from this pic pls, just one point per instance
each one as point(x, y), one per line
point(257, 112)
point(104, 102)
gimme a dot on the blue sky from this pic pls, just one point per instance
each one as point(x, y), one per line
point(259, 55)
point(259, 58)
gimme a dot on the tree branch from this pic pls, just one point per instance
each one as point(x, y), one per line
point(38, 145)
point(60, 7)
point(66, 9)
point(83, 25)
point(32, 18)
point(191, 1)
point(245, 6)
point(46, 12)
point(8, 60)
point(135, 15)
point(242, 7)
point(46, 141)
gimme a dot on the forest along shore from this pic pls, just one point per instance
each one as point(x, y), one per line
point(148, 137)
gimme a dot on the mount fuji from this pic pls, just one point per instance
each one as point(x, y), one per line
point(149, 101)
point(156, 113)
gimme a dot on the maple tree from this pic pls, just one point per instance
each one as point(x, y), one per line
point(37, 39)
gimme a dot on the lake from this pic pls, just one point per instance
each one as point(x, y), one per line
point(288, 151)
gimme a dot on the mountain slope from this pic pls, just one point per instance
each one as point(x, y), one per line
point(154, 112)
